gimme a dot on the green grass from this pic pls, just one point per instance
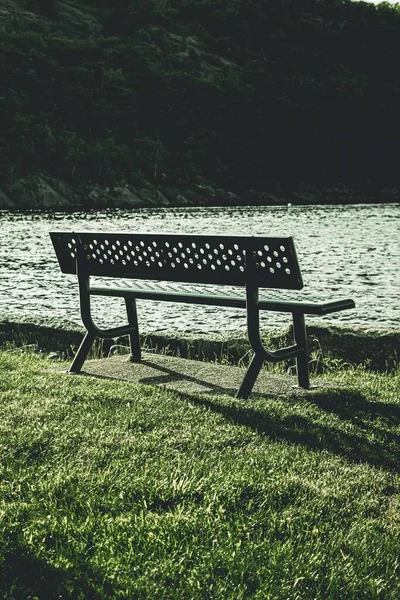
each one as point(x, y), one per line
point(114, 490)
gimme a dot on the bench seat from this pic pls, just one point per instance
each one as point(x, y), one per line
point(168, 293)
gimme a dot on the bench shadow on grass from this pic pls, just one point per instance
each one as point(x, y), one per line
point(361, 432)
point(166, 376)
point(24, 575)
point(169, 376)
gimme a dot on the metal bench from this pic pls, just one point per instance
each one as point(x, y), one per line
point(249, 262)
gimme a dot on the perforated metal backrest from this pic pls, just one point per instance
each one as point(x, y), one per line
point(222, 260)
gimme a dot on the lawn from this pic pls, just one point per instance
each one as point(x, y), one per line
point(116, 490)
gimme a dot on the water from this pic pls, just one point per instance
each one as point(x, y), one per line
point(344, 251)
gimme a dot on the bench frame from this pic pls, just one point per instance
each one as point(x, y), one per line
point(78, 258)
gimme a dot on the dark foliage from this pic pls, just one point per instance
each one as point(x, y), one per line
point(245, 94)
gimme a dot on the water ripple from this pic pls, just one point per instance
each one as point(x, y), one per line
point(344, 251)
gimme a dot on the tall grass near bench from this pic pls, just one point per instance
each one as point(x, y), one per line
point(116, 490)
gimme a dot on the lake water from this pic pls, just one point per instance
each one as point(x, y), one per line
point(344, 251)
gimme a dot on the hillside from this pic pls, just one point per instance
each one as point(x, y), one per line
point(158, 102)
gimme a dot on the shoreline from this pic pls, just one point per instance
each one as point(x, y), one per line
point(43, 192)
point(375, 348)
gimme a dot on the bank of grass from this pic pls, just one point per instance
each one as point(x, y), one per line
point(114, 490)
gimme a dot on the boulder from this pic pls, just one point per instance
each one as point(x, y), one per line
point(37, 193)
point(6, 203)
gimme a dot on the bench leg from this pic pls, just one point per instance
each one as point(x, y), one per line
point(300, 336)
point(82, 353)
point(250, 377)
point(134, 340)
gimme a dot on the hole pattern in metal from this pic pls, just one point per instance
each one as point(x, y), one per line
point(198, 259)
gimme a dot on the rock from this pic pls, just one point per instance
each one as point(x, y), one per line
point(36, 192)
point(5, 202)
point(47, 197)
point(182, 200)
point(127, 197)
point(205, 190)
point(151, 196)
point(45, 192)
point(306, 194)
point(94, 197)
point(226, 198)
point(256, 198)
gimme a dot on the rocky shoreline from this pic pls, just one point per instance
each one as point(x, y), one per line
point(376, 349)
point(43, 192)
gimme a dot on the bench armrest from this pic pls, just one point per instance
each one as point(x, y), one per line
point(307, 308)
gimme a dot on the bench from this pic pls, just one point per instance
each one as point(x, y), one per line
point(252, 263)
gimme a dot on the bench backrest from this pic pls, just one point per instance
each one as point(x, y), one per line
point(269, 262)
